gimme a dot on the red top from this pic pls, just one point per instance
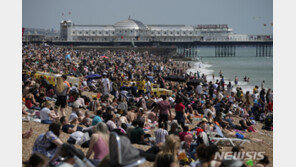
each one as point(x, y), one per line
point(179, 107)
point(270, 106)
point(183, 134)
point(28, 104)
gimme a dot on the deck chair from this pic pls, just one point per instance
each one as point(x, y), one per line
point(232, 141)
point(122, 153)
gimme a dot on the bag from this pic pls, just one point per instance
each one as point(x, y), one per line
point(80, 138)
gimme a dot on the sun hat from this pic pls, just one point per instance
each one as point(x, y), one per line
point(75, 105)
point(204, 120)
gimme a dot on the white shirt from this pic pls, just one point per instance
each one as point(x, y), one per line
point(65, 164)
point(148, 86)
point(215, 86)
point(171, 100)
point(199, 89)
point(106, 83)
point(44, 114)
point(160, 135)
point(73, 116)
point(84, 83)
point(207, 111)
point(111, 125)
point(80, 102)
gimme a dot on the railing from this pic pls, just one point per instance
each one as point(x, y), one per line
point(173, 39)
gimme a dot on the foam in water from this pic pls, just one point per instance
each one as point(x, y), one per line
point(204, 68)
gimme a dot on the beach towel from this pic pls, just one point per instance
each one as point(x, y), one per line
point(240, 136)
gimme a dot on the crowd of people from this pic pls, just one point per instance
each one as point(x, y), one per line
point(126, 103)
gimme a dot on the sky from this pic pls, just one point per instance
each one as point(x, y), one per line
point(243, 16)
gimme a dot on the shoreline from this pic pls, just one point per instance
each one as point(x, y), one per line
point(204, 68)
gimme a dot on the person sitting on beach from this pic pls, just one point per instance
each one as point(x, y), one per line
point(202, 137)
point(205, 155)
point(94, 105)
point(75, 112)
point(99, 143)
point(37, 160)
point(30, 102)
point(160, 134)
point(86, 121)
point(208, 109)
point(26, 111)
point(97, 118)
point(28, 134)
point(167, 157)
point(131, 127)
point(80, 102)
point(137, 134)
point(47, 143)
point(70, 128)
point(131, 115)
point(263, 162)
point(174, 126)
point(184, 133)
point(46, 115)
point(111, 121)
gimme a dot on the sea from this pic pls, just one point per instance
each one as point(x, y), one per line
point(244, 63)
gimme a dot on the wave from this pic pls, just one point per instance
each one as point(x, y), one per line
point(204, 68)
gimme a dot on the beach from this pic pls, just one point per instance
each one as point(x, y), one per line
point(111, 91)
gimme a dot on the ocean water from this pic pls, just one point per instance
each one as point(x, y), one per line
point(245, 63)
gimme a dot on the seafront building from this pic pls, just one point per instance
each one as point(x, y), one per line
point(192, 41)
point(133, 30)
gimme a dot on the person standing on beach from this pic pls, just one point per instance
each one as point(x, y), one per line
point(106, 84)
point(262, 84)
point(164, 108)
point(236, 80)
point(229, 88)
point(220, 73)
point(61, 91)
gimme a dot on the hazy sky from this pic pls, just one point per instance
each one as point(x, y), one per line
point(244, 16)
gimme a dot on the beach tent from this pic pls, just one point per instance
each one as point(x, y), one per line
point(93, 76)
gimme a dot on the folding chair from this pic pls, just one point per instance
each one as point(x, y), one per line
point(232, 141)
point(122, 153)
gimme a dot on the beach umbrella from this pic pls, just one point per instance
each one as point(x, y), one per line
point(93, 76)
